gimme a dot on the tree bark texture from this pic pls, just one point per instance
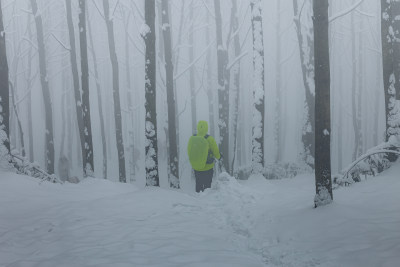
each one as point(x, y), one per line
point(323, 180)
point(223, 89)
point(87, 127)
point(258, 87)
point(151, 149)
point(390, 31)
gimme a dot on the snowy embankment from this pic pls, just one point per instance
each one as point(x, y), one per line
point(247, 223)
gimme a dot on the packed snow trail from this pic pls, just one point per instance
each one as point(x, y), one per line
point(235, 223)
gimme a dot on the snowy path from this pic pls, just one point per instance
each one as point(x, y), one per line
point(254, 223)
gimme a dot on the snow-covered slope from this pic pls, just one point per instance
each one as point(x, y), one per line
point(251, 223)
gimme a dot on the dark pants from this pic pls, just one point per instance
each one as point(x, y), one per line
point(203, 179)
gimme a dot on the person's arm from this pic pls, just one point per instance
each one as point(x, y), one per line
point(214, 148)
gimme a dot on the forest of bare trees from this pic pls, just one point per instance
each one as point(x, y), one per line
point(311, 85)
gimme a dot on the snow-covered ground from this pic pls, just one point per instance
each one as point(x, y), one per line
point(246, 223)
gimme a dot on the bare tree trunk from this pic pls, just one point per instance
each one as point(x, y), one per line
point(87, 128)
point(4, 93)
point(117, 104)
point(356, 72)
point(151, 164)
point(236, 77)
point(279, 135)
point(169, 69)
point(210, 91)
point(305, 36)
point(360, 76)
point(45, 89)
point(223, 89)
point(191, 71)
point(323, 180)
point(390, 30)
point(258, 87)
point(29, 97)
point(99, 99)
point(21, 132)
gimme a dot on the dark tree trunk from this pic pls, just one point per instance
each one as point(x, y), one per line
point(149, 35)
point(258, 87)
point(4, 92)
point(223, 89)
point(305, 36)
point(87, 128)
point(323, 180)
point(117, 104)
point(236, 77)
point(45, 89)
point(169, 69)
point(390, 30)
point(99, 99)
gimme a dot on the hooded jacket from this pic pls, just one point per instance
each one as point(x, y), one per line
point(202, 129)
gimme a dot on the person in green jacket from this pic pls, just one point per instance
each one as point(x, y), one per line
point(204, 175)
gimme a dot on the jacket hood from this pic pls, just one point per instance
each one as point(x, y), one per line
point(202, 128)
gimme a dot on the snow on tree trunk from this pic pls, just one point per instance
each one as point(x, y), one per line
point(75, 79)
point(223, 89)
point(4, 95)
point(236, 77)
point(258, 87)
point(305, 36)
point(390, 30)
point(149, 35)
point(45, 89)
point(323, 180)
point(99, 100)
point(117, 101)
point(87, 159)
point(169, 69)
point(210, 86)
point(356, 86)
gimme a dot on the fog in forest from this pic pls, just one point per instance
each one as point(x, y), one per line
point(357, 94)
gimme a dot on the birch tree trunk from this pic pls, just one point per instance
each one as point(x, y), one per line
point(223, 89)
point(258, 87)
point(117, 101)
point(305, 36)
point(4, 93)
point(45, 89)
point(390, 30)
point(99, 100)
point(149, 35)
point(323, 180)
point(173, 159)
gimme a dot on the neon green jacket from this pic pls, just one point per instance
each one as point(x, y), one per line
point(202, 129)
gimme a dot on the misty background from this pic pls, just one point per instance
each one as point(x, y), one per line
point(355, 53)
